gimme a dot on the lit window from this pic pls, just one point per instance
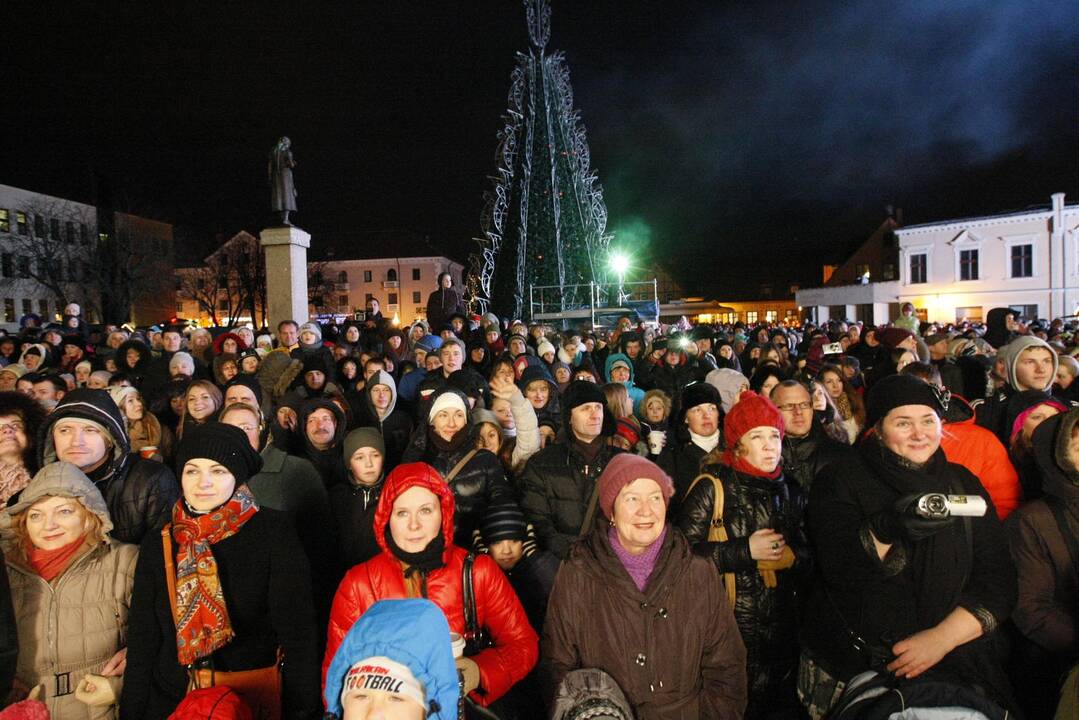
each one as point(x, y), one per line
point(751, 316)
point(771, 316)
point(9, 309)
point(20, 223)
point(5, 221)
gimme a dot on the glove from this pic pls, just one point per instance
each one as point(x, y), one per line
point(95, 691)
point(914, 526)
point(470, 672)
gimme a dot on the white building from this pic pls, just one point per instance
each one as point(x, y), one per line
point(397, 269)
point(960, 269)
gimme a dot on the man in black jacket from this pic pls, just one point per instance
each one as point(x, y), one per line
point(807, 449)
point(559, 482)
point(87, 430)
point(443, 303)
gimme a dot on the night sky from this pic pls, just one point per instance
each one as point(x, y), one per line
point(738, 131)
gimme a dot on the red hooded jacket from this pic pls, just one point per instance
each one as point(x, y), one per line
point(516, 645)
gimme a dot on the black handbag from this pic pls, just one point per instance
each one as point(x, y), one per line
point(477, 638)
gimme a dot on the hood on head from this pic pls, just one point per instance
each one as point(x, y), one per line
point(381, 378)
point(618, 357)
point(314, 404)
point(144, 354)
point(1015, 348)
point(219, 342)
point(404, 477)
point(62, 479)
point(411, 632)
point(86, 404)
point(727, 382)
point(1060, 477)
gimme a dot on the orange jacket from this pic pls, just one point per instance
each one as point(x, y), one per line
point(978, 450)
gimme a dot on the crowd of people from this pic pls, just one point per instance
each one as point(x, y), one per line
point(482, 517)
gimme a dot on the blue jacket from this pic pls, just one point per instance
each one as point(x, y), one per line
point(635, 393)
point(412, 632)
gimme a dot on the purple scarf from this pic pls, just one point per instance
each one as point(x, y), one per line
point(639, 567)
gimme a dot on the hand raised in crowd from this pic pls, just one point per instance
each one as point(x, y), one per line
point(504, 389)
point(287, 418)
point(766, 544)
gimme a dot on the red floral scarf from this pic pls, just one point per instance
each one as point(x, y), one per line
point(202, 620)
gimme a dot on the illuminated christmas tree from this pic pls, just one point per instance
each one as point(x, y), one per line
point(544, 220)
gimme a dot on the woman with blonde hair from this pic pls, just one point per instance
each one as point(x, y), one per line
point(65, 571)
point(848, 402)
point(202, 403)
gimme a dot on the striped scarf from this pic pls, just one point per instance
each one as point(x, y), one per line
point(202, 619)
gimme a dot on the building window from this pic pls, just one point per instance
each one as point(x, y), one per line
point(862, 273)
point(391, 275)
point(415, 274)
point(43, 308)
point(342, 301)
point(39, 225)
point(27, 306)
point(416, 296)
point(54, 229)
point(393, 299)
point(968, 264)
point(888, 272)
point(771, 315)
point(69, 232)
point(9, 309)
point(751, 316)
point(342, 277)
point(1026, 313)
point(367, 277)
point(918, 269)
point(84, 234)
point(200, 283)
point(223, 304)
point(1022, 257)
point(971, 313)
point(179, 308)
point(24, 266)
point(20, 223)
point(5, 221)
point(7, 265)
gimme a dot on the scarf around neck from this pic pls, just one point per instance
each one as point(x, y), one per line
point(708, 443)
point(202, 618)
point(419, 564)
point(639, 567)
point(50, 564)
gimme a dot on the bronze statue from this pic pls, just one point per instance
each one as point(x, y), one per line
point(282, 190)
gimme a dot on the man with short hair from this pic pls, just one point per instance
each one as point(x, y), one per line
point(807, 448)
point(950, 374)
point(87, 430)
point(49, 388)
point(451, 358)
point(288, 335)
point(558, 482)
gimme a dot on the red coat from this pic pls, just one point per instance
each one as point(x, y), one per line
point(978, 450)
point(516, 646)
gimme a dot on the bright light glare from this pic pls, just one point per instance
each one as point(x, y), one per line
point(619, 263)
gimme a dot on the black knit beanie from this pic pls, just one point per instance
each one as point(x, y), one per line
point(224, 444)
point(504, 522)
point(897, 390)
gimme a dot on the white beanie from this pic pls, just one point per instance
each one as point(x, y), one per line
point(381, 673)
point(181, 358)
point(446, 401)
point(544, 348)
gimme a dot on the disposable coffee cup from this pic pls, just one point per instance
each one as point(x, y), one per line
point(458, 644)
point(656, 440)
point(148, 451)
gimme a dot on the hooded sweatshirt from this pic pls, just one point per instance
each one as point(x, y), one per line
point(394, 424)
point(635, 393)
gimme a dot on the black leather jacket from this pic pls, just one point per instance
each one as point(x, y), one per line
point(803, 458)
point(767, 617)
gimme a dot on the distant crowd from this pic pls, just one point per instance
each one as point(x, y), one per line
point(474, 516)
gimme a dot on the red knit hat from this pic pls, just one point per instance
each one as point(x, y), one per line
point(623, 469)
point(751, 411)
point(626, 429)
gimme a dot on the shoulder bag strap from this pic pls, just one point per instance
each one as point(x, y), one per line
point(170, 566)
point(1070, 540)
point(471, 624)
point(460, 465)
point(590, 512)
point(717, 531)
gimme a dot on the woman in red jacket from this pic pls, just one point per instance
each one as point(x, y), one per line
point(414, 527)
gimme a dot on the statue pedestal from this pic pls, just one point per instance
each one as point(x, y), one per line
point(286, 273)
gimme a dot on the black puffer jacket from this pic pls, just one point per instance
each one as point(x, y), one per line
point(767, 617)
point(480, 483)
point(140, 493)
point(804, 457)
